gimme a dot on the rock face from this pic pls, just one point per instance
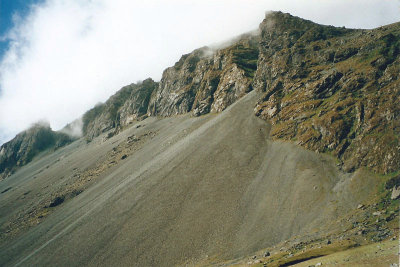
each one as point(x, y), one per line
point(328, 89)
point(203, 81)
point(332, 90)
point(26, 145)
point(128, 104)
point(207, 80)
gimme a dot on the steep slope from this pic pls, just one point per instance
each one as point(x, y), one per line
point(160, 185)
point(328, 89)
point(182, 196)
point(206, 80)
point(332, 90)
point(26, 145)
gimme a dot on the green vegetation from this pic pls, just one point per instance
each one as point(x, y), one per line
point(246, 58)
point(90, 115)
point(178, 65)
point(391, 47)
point(117, 101)
point(26, 145)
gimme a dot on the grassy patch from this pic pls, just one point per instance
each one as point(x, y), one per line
point(246, 58)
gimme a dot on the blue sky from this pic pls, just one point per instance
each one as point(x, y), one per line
point(67, 55)
point(8, 8)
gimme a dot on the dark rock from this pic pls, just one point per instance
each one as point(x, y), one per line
point(57, 201)
point(5, 190)
point(394, 181)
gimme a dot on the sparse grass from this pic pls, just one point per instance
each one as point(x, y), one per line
point(377, 254)
point(246, 58)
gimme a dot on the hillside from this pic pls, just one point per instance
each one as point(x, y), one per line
point(166, 194)
point(332, 90)
point(328, 89)
point(26, 145)
point(284, 141)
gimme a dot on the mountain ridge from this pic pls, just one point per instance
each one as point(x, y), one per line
point(303, 67)
point(248, 149)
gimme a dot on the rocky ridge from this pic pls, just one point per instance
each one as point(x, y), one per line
point(206, 80)
point(125, 106)
point(332, 90)
point(26, 145)
point(328, 89)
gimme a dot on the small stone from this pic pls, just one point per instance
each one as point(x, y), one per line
point(360, 206)
point(377, 213)
point(318, 264)
point(124, 157)
point(267, 254)
point(254, 257)
point(328, 242)
point(394, 265)
point(395, 192)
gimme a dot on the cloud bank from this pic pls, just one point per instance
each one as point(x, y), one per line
point(67, 55)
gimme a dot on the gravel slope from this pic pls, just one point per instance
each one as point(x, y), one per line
point(194, 190)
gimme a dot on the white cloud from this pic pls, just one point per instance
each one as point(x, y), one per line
point(67, 55)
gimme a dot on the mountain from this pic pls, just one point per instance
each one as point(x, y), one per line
point(127, 105)
point(277, 148)
point(27, 145)
point(332, 90)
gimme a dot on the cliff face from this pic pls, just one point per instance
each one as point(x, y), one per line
point(332, 90)
point(128, 104)
point(207, 80)
point(328, 89)
point(20, 150)
point(203, 81)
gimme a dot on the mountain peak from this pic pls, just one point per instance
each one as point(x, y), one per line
point(279, 21)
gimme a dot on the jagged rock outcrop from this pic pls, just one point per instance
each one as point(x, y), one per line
point(128, 104)
point(332, 90)
point(26, 145)
point(207, 80)
point(203, 81)
point(329, 89)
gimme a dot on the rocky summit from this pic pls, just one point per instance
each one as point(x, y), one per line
point(279, 147)
point(332, 90)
